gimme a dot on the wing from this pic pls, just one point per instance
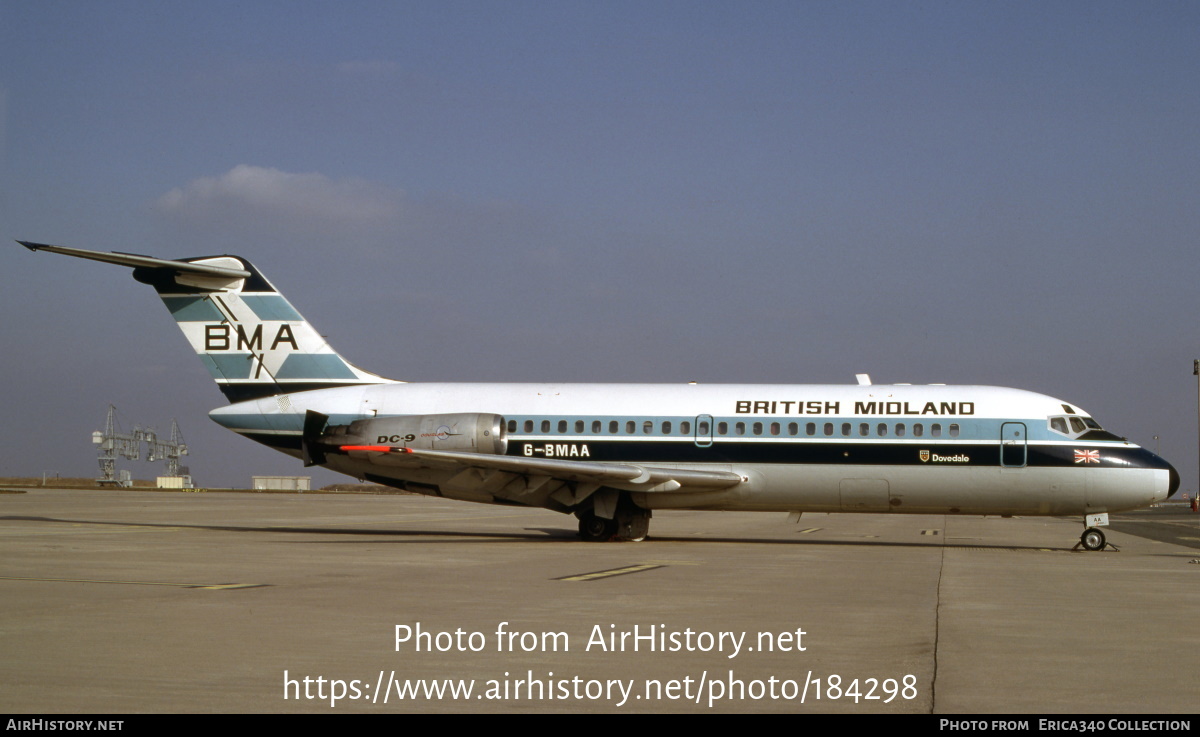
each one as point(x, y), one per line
point(534, 480)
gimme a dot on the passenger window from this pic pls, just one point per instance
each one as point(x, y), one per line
point(954, 430)
point(899, 429)
point(758, 428)
point(630, 427)
point(810, 429)
point(666, 428)
point(612, 427)
point(918, 430)
point(739, 428)
point(722, 428)
point(774, 428)
point(845, 429)
point(864, 429)
point(685, 428)
point(701, 429)
point(579, 426)
point(562, 426)
point(828, 428)
point(793, 428)
point(512, 425)
point(648, 427)
point(935, 430)
point(528, 425)
point(882, 429)
point(596, 425)
point(545, 425)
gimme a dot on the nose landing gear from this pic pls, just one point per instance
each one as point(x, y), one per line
point(1092, 539)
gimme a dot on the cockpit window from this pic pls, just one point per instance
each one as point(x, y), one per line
point(1075, 426)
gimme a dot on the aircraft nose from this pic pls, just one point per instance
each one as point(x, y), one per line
point(1173, 484)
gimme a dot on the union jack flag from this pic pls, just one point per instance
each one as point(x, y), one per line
point(1087, 456)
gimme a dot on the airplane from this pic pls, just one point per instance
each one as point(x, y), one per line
point(613, 454)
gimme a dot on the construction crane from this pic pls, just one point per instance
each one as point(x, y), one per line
point(170, 450)
point(114, 444)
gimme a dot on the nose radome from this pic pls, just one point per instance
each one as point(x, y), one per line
point(1173, 485)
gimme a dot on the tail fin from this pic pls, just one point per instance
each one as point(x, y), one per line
point(251, 339)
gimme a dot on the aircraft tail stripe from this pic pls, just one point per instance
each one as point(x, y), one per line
point(296, 366)
point(202, 309)
point(193, 309)
point(315, 366)
point(246, 391)
point(228, 365)
point(271, 307)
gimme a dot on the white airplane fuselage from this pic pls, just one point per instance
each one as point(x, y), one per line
point(803, 448)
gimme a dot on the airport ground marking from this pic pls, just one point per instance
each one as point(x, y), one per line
point(90, 528)
point(176, 584)
point(418, 517)
point(675, 562)
point(596, 575)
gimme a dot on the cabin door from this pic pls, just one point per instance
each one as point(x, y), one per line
point(1013, 453)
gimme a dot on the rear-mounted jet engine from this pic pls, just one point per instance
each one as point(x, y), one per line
point(469, 431)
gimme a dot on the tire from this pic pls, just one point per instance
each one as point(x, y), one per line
point(1092, 539)
point(596, 529)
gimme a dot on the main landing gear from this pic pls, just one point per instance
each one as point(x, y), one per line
point(627, 522)
point(596, 529)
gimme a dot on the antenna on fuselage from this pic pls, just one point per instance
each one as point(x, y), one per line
point(863, 379)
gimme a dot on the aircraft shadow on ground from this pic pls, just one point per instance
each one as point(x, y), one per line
point(527, 535)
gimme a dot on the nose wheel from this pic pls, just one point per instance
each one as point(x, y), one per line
point(1092, 539)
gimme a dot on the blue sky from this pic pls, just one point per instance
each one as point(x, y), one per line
point(993, 193)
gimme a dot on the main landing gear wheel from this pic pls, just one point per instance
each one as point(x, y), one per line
point(633, 522)
point(1092, 539)
point(596, 529)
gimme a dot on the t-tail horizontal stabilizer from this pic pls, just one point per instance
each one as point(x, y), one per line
point(136, 261)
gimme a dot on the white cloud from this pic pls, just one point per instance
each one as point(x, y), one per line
point(254, 202)
point(305, 200)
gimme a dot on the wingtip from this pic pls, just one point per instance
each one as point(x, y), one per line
point(30, 246)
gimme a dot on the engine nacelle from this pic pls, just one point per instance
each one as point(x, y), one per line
point(468, 431)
